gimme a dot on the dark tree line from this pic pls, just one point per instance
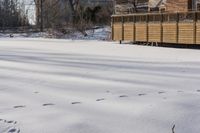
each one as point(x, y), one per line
point(86, 16)
point(68, 14)
point(11, 15)
point(58, 12)
point(96, 14)
point(62, 14)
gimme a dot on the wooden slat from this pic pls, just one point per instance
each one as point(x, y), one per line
point(186, 33)
point(117, 31)
point(128, 31)
point(169, 32)
point(141, 32)
point(182, 32)
point(154, 32)
point(198, 33)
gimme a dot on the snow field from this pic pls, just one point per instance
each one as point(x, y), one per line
point(67, 86)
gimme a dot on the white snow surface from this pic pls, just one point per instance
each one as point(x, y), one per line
point(67, 86)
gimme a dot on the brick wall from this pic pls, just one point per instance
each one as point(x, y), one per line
point(177, 5)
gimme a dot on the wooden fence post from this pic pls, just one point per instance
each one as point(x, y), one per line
point(112, 31)
point(147, 26)
point(161, 28)
point(195, 28)
point(134, 29)
point(177, 28)
point(122, 28)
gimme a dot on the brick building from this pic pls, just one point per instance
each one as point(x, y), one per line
point(130, 6)
point(126, 6)
point(174, 5)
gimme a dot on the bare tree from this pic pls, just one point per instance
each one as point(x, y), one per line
point(74, 4)
point(74, 13)
point(11, 14)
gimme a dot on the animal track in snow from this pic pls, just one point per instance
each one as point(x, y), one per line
point(8, 126)
point(101, 99)
point(180, 91)
point(14, 130)
point(123, 96)
point(76, 103)
point(12, 122)
point(19, 106)
point(9, 122)
point(48, 104)
point(161, 92)
point(141, 94)
point(198, 90)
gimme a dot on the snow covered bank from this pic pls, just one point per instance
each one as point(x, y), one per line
point(66, 86)
point(102, 33)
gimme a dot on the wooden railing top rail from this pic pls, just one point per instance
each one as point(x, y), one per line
point(152, 13)
point(158, 17)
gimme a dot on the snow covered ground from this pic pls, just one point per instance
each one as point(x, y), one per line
point(66, 86)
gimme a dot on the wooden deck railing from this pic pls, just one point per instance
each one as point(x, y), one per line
point(183, 27)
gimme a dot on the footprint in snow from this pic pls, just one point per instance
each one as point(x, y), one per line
point(161, 92)
point(122, 96)
point(13, 130)
point(48, 104)
point(36, 92)
point(11, 122)
point(101, 99)
point(76, 103)
point(198, 90)
point(180, 91)
point(9, 126)
point(142, 94)
point(19, 106)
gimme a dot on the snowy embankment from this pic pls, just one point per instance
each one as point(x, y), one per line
point(99, 33)
point(59, 86)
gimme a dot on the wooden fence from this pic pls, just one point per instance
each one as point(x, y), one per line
point(177, 28)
